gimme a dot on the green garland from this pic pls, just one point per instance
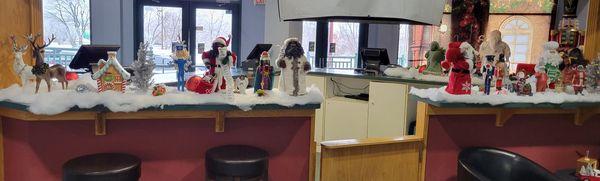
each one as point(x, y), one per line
point(40, 69)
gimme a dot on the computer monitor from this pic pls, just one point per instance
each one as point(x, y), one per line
point(91, 54)
point(257, 50)
point(372, 58)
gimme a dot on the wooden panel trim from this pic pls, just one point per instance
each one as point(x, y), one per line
point(336, 144)
point(100, 124)
point(270, 113)
point(312, 163)
point(1, 150)
point(220, 121)
point(161, 115)
point(421, 129)
point(581, 114)
point(592, 36)
point(375, 162)
point(89, 115)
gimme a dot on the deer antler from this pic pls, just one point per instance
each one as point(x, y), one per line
point(14, 42)
point(50, 40)
point(16, 48)
point(32, 39)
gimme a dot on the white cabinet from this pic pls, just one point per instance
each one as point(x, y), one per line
point(345, 119)
point(387, 109)
point(319, 82)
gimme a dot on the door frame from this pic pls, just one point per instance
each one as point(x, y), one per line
point(188, 21)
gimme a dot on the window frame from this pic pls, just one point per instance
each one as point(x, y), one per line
point(516, 31)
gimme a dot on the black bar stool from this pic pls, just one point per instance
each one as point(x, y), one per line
point(237, 163)
point(103, 167)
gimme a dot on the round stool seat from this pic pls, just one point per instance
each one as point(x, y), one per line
point(236, 160)
point(103, 167)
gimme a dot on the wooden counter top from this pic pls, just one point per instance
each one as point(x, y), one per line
point(348, 73)
point(213, 111)
point(582, 111)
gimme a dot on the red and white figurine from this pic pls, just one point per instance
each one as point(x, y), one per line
point(218, 60)
point(459, 57)
point(578, 81)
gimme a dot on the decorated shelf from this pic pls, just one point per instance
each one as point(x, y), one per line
point(505, 106)
point(348, 73)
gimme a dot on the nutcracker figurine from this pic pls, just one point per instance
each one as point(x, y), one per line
point(579, 80)
point(181, 58)
point(500, 73)
point(263, 79)
point(488, 73)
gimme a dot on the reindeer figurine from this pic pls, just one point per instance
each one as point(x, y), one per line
point(21, 69)
point(41, 70)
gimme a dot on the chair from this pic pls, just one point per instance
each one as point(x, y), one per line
point(103, 167)
point(490, 164)
point(236, 162)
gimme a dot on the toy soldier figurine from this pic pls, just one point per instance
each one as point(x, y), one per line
point(488, 73)
point(500, 73)
point(264, 74)
point(181, 58)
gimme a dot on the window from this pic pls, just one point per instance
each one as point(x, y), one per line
point(413, 43)
point(516, 32)
point(342, 49)
point(162, 28)
point(69, 21)
point(309, 40)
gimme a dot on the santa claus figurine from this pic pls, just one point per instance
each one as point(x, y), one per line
point(459, 57)
point(579, 80)
point(217, 56)
point(294, 67)
point(549, 62)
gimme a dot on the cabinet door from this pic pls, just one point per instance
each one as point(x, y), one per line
point(345, 119)
point(387, 109)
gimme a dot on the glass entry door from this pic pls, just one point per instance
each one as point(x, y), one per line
point(210, 23)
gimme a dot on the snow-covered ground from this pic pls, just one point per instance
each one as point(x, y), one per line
point(476, 97)
point(58, 101)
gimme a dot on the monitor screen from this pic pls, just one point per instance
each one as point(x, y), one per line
point(88, 54)
point(372, 57)
point(257, 50)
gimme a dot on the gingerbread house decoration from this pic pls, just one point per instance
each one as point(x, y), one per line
point(111, 75)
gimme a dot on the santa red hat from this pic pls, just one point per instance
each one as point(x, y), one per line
point(222, 40)
point(452, 54)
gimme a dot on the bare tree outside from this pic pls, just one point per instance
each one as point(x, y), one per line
point(345, 35)
point(162, 27)
point(69, 20)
